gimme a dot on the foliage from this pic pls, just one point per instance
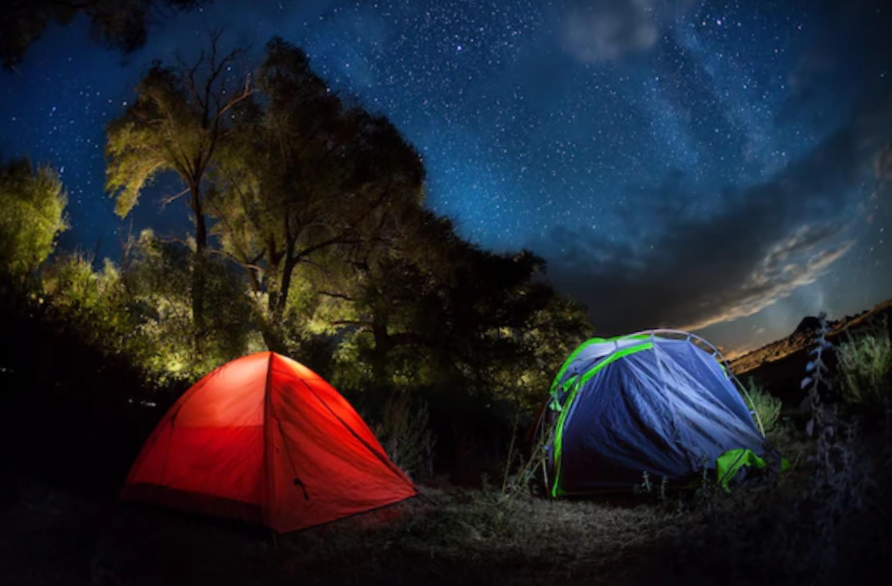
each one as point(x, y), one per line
point(158, 277)
point(439, 311)
point(764, 404)
point(98, 304)
point(178, 123)
point(141, 310)
point(404, 432)
point(865, 369)
point(819, 384)
point(309, 187)
point(841, 477)
point(119, 24)
point(32, 205)
point(790, 442)
point(523, 467)
point(62, 366)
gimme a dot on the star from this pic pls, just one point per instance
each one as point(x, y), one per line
point(687, 143)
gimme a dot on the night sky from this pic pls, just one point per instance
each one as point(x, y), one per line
point(699, 165)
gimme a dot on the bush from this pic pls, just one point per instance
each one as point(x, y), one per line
point(766, 406)
point(405, 435)
point(865, 369)
point(32, 214)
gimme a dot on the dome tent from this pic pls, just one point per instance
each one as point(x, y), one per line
point(660, 401)
point(265, 440)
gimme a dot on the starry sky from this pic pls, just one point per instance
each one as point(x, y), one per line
point(705, 165)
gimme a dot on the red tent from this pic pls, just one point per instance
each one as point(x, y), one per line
point(266, 440)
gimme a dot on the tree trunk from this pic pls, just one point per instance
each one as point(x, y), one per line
point(198, 269)
point(379, 356)
point(270, 330)
point(287, 275)
point(272, 339)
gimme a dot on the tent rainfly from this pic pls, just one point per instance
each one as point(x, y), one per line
point(265, 440)
point(661, 402)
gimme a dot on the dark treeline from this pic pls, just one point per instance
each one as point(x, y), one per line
point(310, 238)
point(118, 24)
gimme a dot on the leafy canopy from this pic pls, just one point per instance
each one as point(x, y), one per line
point(307, 181)
point(32, 205)
point(118, 24)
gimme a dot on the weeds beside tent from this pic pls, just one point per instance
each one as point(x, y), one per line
point(659, 402)
point(266, 440)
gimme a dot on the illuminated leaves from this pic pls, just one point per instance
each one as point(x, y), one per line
point(32, 203)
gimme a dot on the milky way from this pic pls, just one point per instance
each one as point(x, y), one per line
point(682, 164)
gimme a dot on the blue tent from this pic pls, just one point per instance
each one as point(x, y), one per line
point(661, 402)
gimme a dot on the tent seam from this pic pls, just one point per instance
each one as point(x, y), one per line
point(382, 457)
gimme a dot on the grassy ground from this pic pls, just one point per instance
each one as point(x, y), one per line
point(465, 537)
point(461, 537)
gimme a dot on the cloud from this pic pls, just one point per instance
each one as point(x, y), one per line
point(789, 265)
point(595, 31)
point(690, 269)
point(698, 270)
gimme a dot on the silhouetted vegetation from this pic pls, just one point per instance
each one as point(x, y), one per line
point(119, 24)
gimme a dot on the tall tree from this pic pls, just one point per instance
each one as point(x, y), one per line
point(32, 206)
point(439, 310)
point(308, 181)
point(179, 122)
point(119, 24)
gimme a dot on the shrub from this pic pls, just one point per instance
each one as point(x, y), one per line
point(32, 214)
point(865, 369)
point(766, 406)
point(523, 472)
point(405, 435)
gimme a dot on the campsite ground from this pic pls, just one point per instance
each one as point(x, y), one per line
point(451, 536)
point(465, 537)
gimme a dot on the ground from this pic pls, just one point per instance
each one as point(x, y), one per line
point(447, 536)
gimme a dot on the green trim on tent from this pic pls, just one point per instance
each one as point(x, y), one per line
point(583, 346)
point(727, 465)
point(570, 359)
point(559, 430)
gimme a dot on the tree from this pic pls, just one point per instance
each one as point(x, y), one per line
point(140, 310)
point(156, 278)
point(439, 311)
point(32, 205)
point(179, 122)
point(119, 24)
point(308, 181)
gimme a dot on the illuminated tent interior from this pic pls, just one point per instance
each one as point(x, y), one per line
point(264, 439)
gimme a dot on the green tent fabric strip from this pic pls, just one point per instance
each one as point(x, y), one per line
point(728, 464)
point(585, 345)
point(559, 430)
point(570, 360)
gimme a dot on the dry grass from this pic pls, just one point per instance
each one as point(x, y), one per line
point(462, 537)
point(466, 537)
